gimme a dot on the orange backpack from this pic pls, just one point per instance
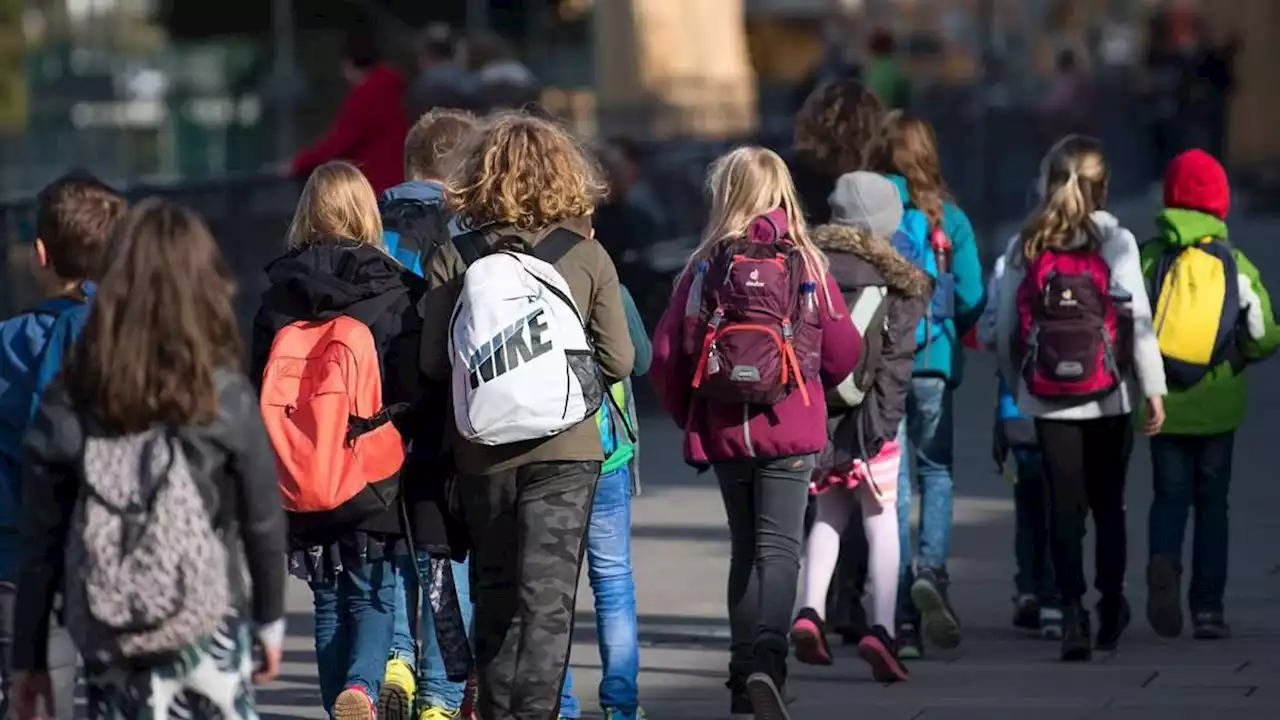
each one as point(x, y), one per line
point(338, 453)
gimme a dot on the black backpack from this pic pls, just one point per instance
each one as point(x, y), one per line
point(413, 230)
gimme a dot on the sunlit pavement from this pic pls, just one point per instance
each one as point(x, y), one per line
point(680, 555)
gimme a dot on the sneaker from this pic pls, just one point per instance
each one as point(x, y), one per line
point(439, 713)
point(1026, 612)
point(910, 646)
point(353, 703)
point(929, 594)
point(879, 650)
point(1210, 626)
point(766, 698)
point(1113, 618)
point(470, 698)
point(614, 714)
point(809, 635)
point(1077, 638)
point(395, 700)
point(1164, 603)
point(1050, 623)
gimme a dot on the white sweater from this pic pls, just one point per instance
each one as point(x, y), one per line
point(1120, 251)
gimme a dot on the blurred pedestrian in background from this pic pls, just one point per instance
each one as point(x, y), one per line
point(442, 81)
point(370, 126)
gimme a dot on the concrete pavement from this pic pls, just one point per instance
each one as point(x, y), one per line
point(680, 557)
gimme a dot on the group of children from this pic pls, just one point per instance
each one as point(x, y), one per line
point(437, 422)
point(806, 362)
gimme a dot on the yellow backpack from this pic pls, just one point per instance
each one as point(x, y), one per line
point(1196, 299)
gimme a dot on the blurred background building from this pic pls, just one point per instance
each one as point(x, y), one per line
point(194, 98)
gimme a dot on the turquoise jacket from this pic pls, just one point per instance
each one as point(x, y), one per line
point(944, 356)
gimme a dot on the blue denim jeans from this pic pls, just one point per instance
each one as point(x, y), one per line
point(355, 621)
point(614, 587)
point(434, 688)
point(925, 433)
point(1193, 471)
point(1034, 575)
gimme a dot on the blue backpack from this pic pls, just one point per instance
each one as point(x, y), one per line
point(912, 242)
point(20, 393)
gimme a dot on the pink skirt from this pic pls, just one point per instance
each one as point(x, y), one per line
point(877, 478)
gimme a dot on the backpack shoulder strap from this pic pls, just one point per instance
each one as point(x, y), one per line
point(471, 246)
point(555, 245)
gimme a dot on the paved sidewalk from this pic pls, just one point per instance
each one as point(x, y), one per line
point(681, 551)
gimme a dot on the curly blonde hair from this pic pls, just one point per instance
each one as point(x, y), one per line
point(522, 171)
point(1073, 184)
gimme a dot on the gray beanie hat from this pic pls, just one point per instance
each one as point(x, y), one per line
point(866, 200)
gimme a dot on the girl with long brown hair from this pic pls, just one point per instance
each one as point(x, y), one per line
point(159, 358)
point(1085, 441)
point(936, 236)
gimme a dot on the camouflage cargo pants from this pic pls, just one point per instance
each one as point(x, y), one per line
point(528, 528)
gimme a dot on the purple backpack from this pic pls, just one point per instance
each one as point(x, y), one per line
point(763, 335)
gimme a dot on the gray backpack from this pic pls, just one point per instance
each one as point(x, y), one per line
point(146, 569)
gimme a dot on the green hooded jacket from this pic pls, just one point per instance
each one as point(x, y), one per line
point(1215, 404)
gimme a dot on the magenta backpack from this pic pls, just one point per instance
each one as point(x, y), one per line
point(1068, 326)
point(762, 335)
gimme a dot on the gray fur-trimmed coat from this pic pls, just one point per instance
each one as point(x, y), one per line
point(859, 260)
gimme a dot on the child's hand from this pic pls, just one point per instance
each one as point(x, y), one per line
point(1155, 416)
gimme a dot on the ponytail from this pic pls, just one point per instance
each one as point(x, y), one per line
point(1073, 182)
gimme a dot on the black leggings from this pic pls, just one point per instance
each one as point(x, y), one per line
point(1085, 464)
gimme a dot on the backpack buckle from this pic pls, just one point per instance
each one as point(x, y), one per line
point(786, 330)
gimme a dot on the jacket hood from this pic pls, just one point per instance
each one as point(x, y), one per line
point(1182, 228)
point(881, 264)
point(334, 277)
point(428, 191)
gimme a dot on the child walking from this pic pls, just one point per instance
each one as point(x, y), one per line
point(414, 225)
point(1208, 339)
point(1017, 456)
point(153, 412)
point(756, 330)
point(937, 237)
point(886, 295)
point(337, 291)
point(1074, 266)
point(75, 216)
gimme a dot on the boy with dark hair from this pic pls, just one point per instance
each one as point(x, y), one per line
point(74, 218)
point(414, 225)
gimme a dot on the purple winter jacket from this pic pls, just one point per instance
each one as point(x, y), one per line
point(720, 432)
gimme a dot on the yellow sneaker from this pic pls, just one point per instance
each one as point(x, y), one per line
point(438, 713)
point(395, 702)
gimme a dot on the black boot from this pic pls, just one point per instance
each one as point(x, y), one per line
point(1113, 618)
point(1077, 641)
point(766, 686)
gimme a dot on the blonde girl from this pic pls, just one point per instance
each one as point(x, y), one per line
point(1085, 444)
point(762, 455)
point(335, 265)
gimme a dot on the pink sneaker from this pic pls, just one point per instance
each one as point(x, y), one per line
point(809, 635)
point(354, 703)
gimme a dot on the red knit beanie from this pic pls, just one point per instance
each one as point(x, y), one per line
point(1197, 181)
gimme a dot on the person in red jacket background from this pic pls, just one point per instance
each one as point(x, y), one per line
point(371, 124)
